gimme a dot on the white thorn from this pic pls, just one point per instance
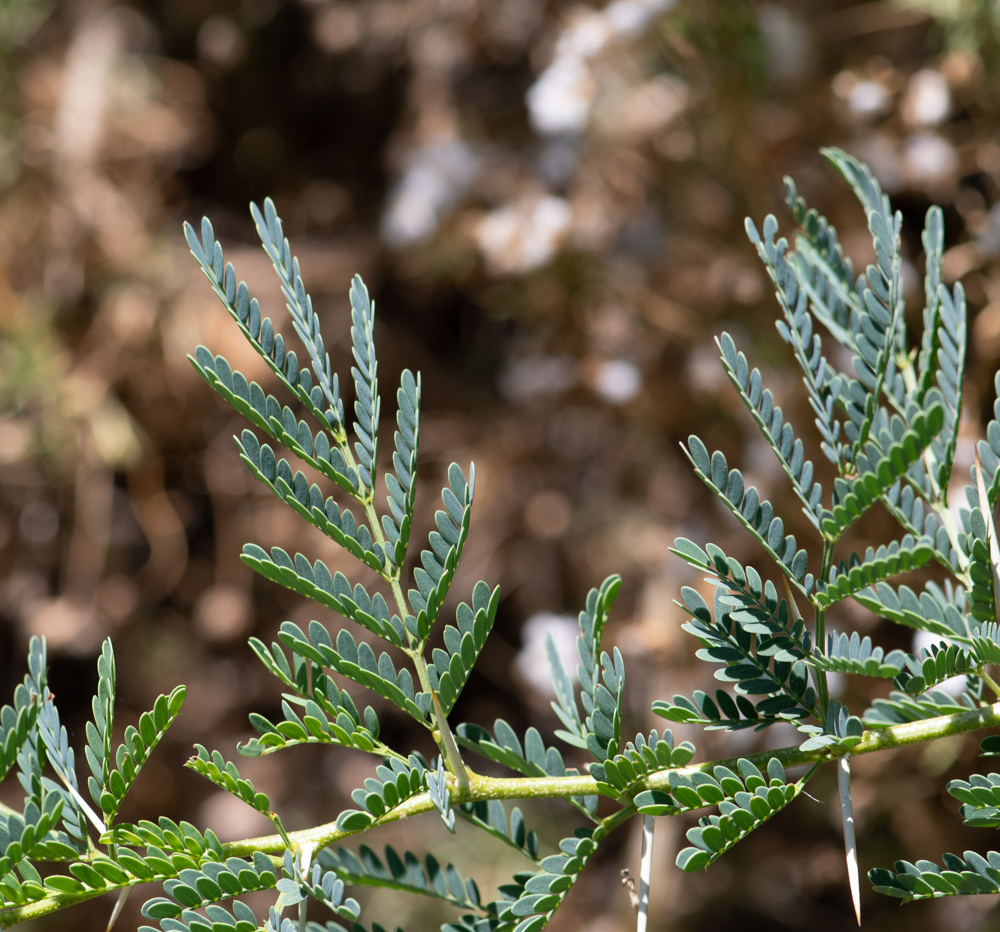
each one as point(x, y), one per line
point(119, 903)
point(850, 845)
point(645, 872)
point(991, 534)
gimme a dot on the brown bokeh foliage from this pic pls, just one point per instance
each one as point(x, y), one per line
point(546, 200)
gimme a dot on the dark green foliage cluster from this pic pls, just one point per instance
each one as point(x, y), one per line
point(888, 434)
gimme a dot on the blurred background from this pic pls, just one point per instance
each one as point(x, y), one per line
point(546, 200)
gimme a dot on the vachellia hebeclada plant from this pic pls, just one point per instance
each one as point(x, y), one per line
point(889, 431)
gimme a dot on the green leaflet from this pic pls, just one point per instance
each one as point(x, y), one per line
point(822, 269)
point(757, 667)
point(838, 731)
point(911, 505)
point(982, 599)
point(167, 835)
point(139, 742)
point(989, 455)
point(262, 336)
point(241, 919)
point(329, 717)
point(932, 239)
point(532, 758)
point(304, 320)
point(880, 316)
point(936, 663)
point(31, 835)
point(980, 798)
point(357, 661)
point(902, 707)
point(949, 377)
point(223, 773)
point(17, 721)
point(393, 783)
point(367, 405)
point(99, 730)
point(793, 291)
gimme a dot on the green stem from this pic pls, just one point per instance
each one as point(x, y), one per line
point(988, 680)
point(443, 734)
point(482, 788)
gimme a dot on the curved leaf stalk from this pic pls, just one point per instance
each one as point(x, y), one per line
point(988, 680)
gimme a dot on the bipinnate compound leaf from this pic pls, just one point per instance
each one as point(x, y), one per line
point(576, 728)
point(332, 590)
point(402, 481)
point(641, 757)
point(402, 871)
point(307, 501)
point(756, 515)
point(139, 742)
point(970, 874)
point(213, 766)
point(463, 642)
point(856, 573)
point(543, 891)
point(357, 661)
point(776, 430)
point(491, 817)
point(745, 800)
point(438, 564)
point(299, 303)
